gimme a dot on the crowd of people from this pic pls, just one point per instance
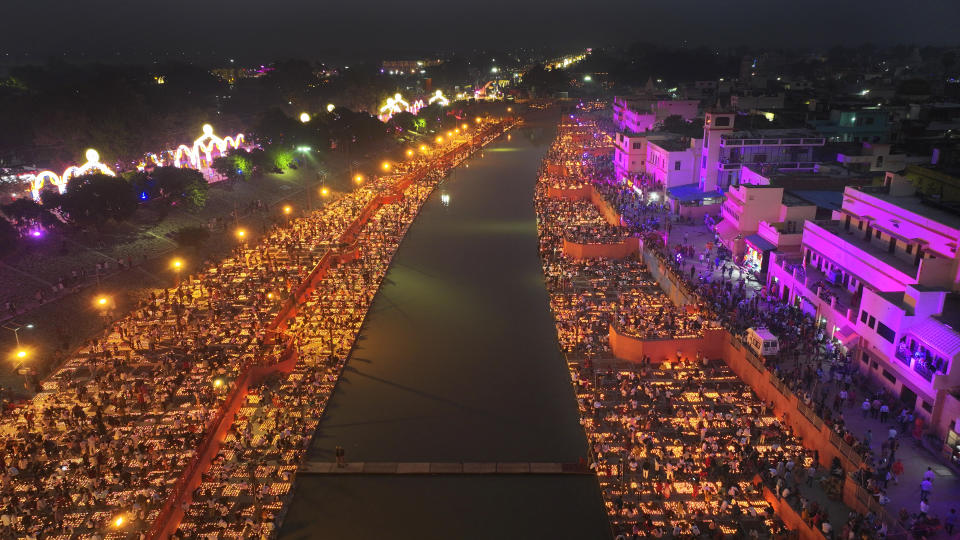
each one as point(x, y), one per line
point(682, 447)
point(99, 450)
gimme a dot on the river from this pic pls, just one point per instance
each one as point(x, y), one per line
point(458, 361)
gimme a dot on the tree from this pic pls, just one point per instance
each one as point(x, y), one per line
point(233, 166)
point(676, 124)
point(171, 184)
point(24, 210)
point(191, 236)
point(8, 236)
point(96, 198)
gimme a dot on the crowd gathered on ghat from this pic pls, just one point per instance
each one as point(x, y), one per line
point(97, 452)
point(681, 446)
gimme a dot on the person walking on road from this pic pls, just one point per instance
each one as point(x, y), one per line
point(341, 456)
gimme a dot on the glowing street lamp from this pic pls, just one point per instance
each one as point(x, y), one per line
point(439, 139)
point(304, 117)
point(177, 265)
point(102, 302)
point(21, 354)
point(324, 191)
point(464, 126)
point(358, 179)
point(385, 166)
point(217, 383)
point(477, 119)
point(423, 148)
point(241, 234)
point(330, 107)
point(409, 153)
point(119, 521)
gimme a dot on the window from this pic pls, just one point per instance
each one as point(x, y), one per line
point(879, 161)
point(909, 249)
point(637, 146)
point(865, 358)
point(722, 121)
point(886, 332)
point(926, 406)
point(888, 376)
point(863, 316)
point(676, 165)
point(873, 321)
point(869, 120)
point(876, 232)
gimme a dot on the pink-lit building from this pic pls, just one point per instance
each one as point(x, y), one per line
point(758, 219)
point(670, 161)
point(881, 277)
point(639, 114)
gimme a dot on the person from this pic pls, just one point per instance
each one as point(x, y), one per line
point(950, 522)
point(897, 470)
point(929, 475)
point(341, 456)
point(925, 487)
point(924, 508)
point(865, 407)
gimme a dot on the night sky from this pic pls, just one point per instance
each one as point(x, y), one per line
point(258, 30)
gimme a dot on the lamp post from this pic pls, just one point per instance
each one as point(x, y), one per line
point(16, 331)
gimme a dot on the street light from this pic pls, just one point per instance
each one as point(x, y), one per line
point(423, 148)
point(385, 166)
point(477, 119)
point(287, 209)
point(324, 191)
point(358, 179)
point(177, 264)
point(16, 330)
point(241, 233)
point(439, 139)
point(21, 354)
point(409, 153)
point(304, 117)
point(464, 126)
point(331, 107)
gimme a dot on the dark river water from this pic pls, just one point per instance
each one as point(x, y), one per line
point(458, 361)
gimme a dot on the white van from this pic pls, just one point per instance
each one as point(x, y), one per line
point(762, 342)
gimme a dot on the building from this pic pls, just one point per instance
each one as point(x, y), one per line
point(940, 185)
point(670, 161)
point(639, 114)
point(855, 125)
point(629, 154)
point(754, 102)
point(747, 207)
point(876, 157)
point(725, 151)
point(881, 278)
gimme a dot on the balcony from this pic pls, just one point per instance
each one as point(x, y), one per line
point(772, 141)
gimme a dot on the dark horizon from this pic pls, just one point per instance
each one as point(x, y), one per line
point(247, 32)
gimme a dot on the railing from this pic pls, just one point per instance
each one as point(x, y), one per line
point(809, 414)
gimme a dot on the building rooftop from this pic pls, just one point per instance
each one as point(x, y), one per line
point(938, 335)
point(951, 312)
point(855, 239)
point(831, 200)
point(672, 145)
point(916, 205)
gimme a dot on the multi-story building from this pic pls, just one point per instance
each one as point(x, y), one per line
point(724, 151)
point(855, 125)
point(749, 208)
point(630, 153)
point(639, 114)
point(882, 279)
point(670, 161)
point(877, 157)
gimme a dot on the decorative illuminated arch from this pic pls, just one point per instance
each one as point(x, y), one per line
point(184, 154)
point(37, 182)
point(93, 163)
point(438, 97)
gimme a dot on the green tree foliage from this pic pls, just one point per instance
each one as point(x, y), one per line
point(676, 124)
point(96, 198)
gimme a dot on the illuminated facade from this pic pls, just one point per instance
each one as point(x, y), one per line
point(882, 278)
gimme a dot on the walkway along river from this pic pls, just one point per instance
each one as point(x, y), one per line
point(458, 362)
